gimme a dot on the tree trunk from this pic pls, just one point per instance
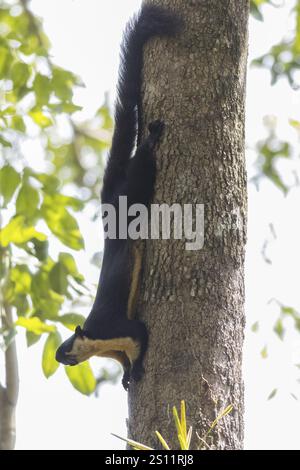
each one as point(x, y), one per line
point(193, 301)
point(9, 393)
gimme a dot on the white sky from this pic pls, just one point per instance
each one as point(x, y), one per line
point(85, 36)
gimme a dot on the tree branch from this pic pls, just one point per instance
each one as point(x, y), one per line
point(9, 393)
point(11, 362)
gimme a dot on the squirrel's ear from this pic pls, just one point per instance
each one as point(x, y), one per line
point(78, 331)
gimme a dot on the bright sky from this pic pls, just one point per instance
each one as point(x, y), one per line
point(85, 36)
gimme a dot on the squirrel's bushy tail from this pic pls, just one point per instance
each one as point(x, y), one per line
point(151, 21)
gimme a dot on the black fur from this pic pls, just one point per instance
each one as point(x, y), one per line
point(133, 176)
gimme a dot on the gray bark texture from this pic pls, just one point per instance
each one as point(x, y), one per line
point(193, 301)
point(9, 392)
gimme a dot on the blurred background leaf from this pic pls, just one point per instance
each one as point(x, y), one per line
point(38, 205)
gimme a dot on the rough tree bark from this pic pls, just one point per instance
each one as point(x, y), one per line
point(193, 301)
point(9, 392)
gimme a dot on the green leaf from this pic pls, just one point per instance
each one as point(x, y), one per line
point(40, 118)
point(45, 301)
point(40, 249)
point(282, 60)
point(19, 73)
point(9, 181)
point(288, 311)
point(255, 327)
point(35, 325)
point(18, 124)
point(295, 124)
point(278, 328)
point(62, 83)
point(50, 183)
point(20, 24)
point(68, 108)
point(255, 12)
point(58, 278)
point(30, 45)
point(20, 301)
point(4, 61)
point(270, 151)
point(264, 352)
point(82, 378)
point(71, 320)
point(272, 394)
point(42, 88)
point(31, 338)
point(62, 200)
point(69, 263)
point(104, 112)
point(21, 277)
point(8, 111)
point(255, 9)
point(27, 200)
point(17, 232)
point(296, 44)
point(62, 224)
point(4, 142)
point(49, 363)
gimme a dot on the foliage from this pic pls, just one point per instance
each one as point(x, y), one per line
point(283, 318)
point(255, 8)
point(82, 378)
point(283, 59)
point(286, 312)
point(270, 151)
point(183, 436)
point(38, 202)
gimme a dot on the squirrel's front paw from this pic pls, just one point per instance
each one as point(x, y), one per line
point(137, 372)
